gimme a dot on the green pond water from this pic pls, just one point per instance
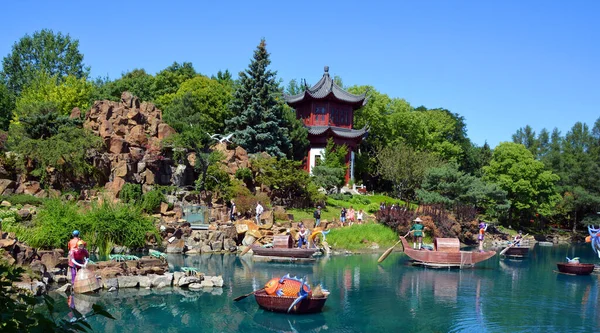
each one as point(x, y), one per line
point(498, 295)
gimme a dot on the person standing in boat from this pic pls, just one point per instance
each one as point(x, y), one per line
point(482, 228)
point(417, 231)
point(518, 238)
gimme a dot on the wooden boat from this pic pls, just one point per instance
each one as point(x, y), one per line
point(517, 252)
point(283, 252)
point(283, 247)
point(86, 282)
point(446, 253)
point(575, 269)
point(282, 303)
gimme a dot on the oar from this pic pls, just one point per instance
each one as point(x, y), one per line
point(239, 298)
point(250, 246)
point(513, 244)
point(388, 251)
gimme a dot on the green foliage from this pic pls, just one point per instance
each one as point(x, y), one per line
point(404, 167)
point(18, 308)
point(330, 171)
point(200, 104)
point(213, 177)
point(64, 153)
point(258, 121)
point(22, 199)
point(137, 82)
point(99, 225)
point(7, 105)
point(131, 193)
point(527, 183)
point(290, 185)
point(65, 93)
point(298, 135)
point(361, 236)
point(168, 81)
point(46, 122)
point(151, 200)
point(53, 53)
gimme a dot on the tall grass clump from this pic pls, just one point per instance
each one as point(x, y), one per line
point(108, 224)
point(102, 226)
point(361, 236)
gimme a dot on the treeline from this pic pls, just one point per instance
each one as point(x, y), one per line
point(416, 153)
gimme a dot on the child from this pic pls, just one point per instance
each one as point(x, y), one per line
point(359, 216)
point(317, 216)
point(302, 236)
point(343, 216)
point(350, 215)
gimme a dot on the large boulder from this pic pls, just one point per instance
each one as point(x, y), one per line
point(128, 281)
point(177, 246)
point(165, 131)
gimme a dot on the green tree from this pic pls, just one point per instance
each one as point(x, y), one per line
point(7, 105)
point(137, 82)
point(70, 92)
point(528, 185)
point(290, 185)
point(168, 81)
point(298, 135)
point(53, 53)
point(225, 78)
point(330, 172)
point(199, 104)
point(448, 185)
point(526, 136)
point(258, 111)
point(404, 167)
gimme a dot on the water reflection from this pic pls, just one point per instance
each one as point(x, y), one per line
point(497, 296)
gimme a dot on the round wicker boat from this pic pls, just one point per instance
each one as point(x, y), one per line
point(282, 303)
point(576, 269)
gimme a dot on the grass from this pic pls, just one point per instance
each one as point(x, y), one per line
point(368, 203)
point(362, 236)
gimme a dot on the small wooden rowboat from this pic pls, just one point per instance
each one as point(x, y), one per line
point(283, 303)
point(517, 252)
point(446, 253)
point(283, 252)
point(575, 269)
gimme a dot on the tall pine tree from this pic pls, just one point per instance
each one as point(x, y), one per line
point(259, 124)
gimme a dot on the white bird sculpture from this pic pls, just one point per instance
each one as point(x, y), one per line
point(226, 138)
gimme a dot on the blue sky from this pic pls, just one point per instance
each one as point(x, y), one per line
point(500, 64)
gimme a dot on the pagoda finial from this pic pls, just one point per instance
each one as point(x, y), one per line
point(327, 70)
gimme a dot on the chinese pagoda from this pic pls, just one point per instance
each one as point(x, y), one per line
point(327, 110)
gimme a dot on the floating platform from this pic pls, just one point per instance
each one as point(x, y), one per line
point(260, 258)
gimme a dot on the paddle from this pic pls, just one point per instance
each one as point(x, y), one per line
point(513, 244)
point(388, 251)
point(250, 246)
point(239, 298)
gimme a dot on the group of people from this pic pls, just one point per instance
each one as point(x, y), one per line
point(78, 255)
point(233, 213)
point(348, 216)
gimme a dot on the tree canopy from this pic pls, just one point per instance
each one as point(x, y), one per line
point(45, 51)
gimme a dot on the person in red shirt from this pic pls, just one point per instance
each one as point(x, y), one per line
point(78, 259)
point(74, 240)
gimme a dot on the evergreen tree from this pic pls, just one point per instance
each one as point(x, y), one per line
point(259, 123)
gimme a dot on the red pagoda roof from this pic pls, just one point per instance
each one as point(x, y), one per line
point(325, 88)
point(347, 133)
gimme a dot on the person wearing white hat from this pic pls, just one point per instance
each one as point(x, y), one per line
point(417, 231)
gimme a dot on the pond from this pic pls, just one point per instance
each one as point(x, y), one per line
point(498, 295)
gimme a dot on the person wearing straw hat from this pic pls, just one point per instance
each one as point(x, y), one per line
point(417, 231)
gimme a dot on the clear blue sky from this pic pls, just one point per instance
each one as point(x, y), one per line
point(500, 64)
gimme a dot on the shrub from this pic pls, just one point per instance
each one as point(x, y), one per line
point(359, 200)
point(23, 199)
point(361, 236)
point(151, 201)
point(244, 174)
point(131, 193)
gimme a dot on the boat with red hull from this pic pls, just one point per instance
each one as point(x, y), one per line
point(446, 253)
point(575, 268)
point(283, 303)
